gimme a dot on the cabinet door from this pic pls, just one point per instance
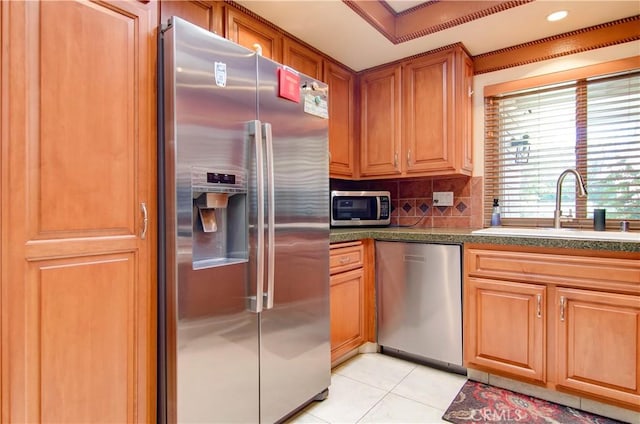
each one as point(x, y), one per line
point(505, 327)
point(347, 312)
point(78, 342)
point(206, 14)
point(302, 58)
point(427, 97)
point(342, 118)
point(463, 115)
point(380, 122)
point(599, 343)
point(436, 114)
point(247, 31)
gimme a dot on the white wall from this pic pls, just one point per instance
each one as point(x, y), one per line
point(540, 68)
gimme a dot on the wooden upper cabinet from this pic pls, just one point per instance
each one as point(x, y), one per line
point(302, 59)
point(205, 14)
point(341, 84)
point(248, 31)
point(426, 102)
point(436, 114)
point(79, 336)
point(464, 111)
point(429, 131)
point(380, 122)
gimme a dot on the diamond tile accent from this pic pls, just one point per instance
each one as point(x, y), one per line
point(424, 207)
point(406, 207)
point(461, 207)
point(442, 208)
point(393, 207)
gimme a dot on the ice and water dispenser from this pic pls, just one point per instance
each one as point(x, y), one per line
point(219, 218)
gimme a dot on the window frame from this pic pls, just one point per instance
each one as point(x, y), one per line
point(491, 173)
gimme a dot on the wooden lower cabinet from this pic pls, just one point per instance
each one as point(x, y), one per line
point(568, 320)
point(347, 312)
point(78, 188)
point(599, 343)
point(351, 296)
point(507, 329)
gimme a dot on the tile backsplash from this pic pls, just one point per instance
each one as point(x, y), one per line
point(412, 200)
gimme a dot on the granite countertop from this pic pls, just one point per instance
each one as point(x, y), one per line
point(455, 235)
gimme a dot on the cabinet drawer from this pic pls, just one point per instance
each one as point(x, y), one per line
point(346, 256)
point(617, 274)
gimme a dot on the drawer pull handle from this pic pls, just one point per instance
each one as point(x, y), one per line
point(562, 306)
point(539, 306)
point(345, 260)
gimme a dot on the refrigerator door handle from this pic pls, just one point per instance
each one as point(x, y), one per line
point(256, 131)
point(271, 214)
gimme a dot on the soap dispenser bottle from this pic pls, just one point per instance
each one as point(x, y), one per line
point(495, 214)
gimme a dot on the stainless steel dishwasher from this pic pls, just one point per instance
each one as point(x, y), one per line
point(419, 301)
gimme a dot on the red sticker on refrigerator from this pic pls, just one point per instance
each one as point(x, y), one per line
point(289, 84)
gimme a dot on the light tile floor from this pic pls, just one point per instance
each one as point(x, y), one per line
point(375, 388)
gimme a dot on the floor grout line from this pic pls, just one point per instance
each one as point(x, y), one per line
point(387, 393)
point(370, 385)
point(420, 402)
point(363, 382)
point(381, 399)
point(377, 373)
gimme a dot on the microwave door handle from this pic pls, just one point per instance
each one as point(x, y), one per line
point(271, 216)
point(378, 208)
point(256, 132)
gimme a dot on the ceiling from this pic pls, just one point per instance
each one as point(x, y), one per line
point(336, 29)
point(402, 5)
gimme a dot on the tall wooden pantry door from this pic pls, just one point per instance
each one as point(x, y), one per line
point(78, 197)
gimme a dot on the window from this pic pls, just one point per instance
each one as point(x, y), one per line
point(591, 124)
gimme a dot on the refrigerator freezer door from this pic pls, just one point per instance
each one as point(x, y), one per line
point(295, 351)
point(212, 335)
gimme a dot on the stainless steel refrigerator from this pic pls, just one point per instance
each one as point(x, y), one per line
point(244, 237)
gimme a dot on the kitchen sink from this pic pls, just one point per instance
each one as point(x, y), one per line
point(570, 233)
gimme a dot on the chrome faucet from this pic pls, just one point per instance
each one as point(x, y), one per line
point(583, 192)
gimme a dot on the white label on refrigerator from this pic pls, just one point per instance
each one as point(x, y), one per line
point(221, 74)
point(316, 105)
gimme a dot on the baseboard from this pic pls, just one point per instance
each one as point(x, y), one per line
point(369, 347)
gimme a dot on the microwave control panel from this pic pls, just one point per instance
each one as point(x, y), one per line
point(384, 207)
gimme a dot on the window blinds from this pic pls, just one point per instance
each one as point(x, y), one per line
point(592, 125)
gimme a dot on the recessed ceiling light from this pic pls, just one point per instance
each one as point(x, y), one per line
point(556, 16)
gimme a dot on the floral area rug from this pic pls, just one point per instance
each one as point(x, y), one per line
point(480, 403)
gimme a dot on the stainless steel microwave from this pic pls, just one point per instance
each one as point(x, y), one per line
point(360, 208)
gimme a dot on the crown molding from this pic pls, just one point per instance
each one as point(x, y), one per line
point(427, 18)
point(591, 38)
